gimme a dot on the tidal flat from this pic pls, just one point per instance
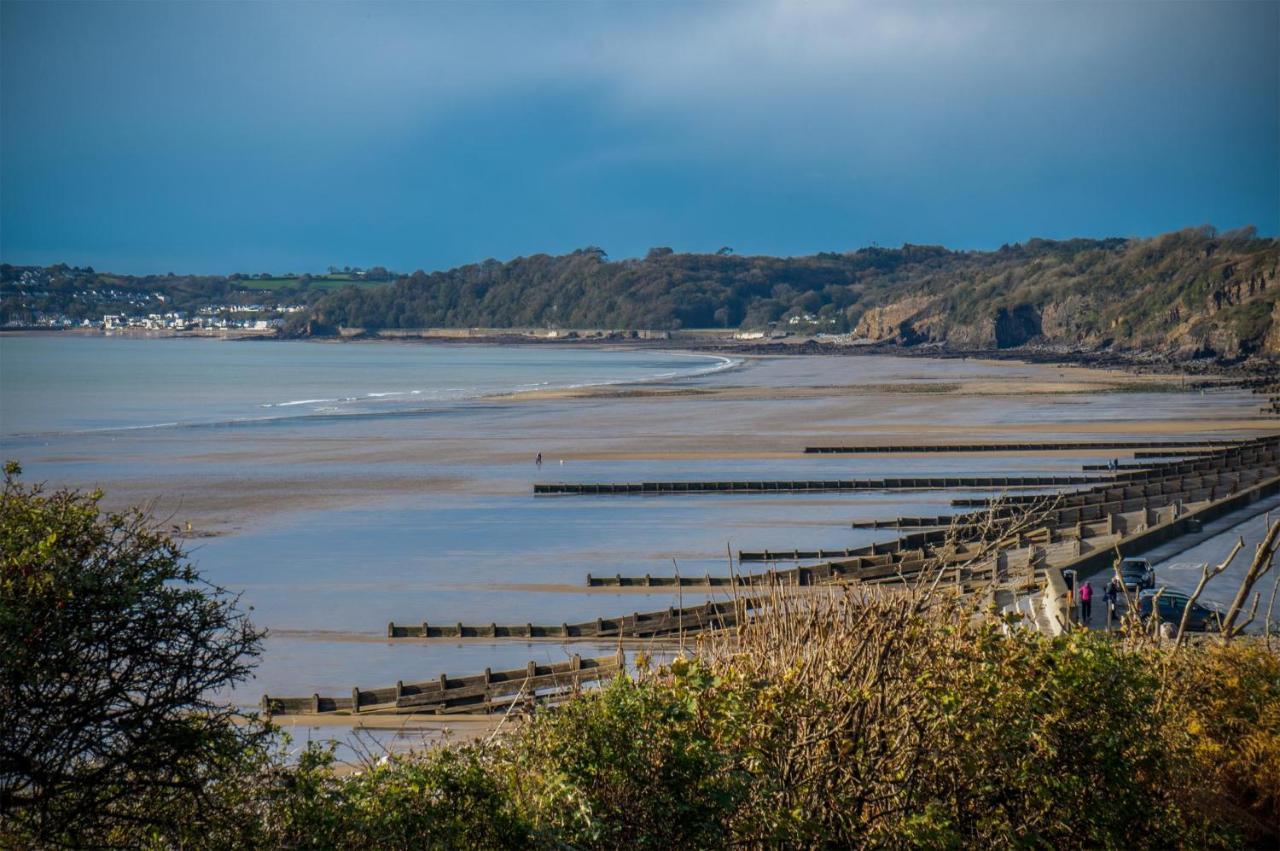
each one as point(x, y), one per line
point(339, 487)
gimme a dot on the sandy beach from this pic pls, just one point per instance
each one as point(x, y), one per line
point(768, 409)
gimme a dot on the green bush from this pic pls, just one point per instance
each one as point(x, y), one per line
point(442, 798)
point(631, 766)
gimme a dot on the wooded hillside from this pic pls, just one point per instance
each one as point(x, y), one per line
point(1193, 292)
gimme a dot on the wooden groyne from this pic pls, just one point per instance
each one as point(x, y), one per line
point(1060, 446)
point(667, 622)
point(1175, 453)
point(1068, 519)
point(798, 486)
point(1261, 451)
point(794, 555)
point(487, 692)
point(969, 562)
point(907, 522)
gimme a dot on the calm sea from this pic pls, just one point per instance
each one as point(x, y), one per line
point(74, 383)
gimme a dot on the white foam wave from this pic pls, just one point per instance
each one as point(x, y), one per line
point(298, 402)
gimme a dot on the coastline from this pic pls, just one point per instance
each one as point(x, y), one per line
point(703, 341)
point(762, 410)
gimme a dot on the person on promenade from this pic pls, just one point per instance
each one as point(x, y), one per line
point(538, 461)
point(1111, 595)
point(1086, 601)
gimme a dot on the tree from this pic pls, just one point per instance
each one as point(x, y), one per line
point(113, 654)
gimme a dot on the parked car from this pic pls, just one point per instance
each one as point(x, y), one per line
point(1136, 574)
point(1171, 606)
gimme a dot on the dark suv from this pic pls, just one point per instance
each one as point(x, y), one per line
point(1171, 606)
point(1136, 573)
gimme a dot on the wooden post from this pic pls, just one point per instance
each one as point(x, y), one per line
point(528, 628)
point(355, 700)
point(266, 707)
point(391, 629)
point(564, 628)
point(488, 675)
point(648, 580)
point(620, 657)
point(532, 670)
point(589, 580)
point(493, 630)
point(426, 631)
point(599, 626)
point(399, 690)
point(315, 704)
point(444, 683)
point(459, 629)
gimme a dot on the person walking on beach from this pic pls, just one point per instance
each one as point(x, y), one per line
point(1086, 601)
point(538, 461)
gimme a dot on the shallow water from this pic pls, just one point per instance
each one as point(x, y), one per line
point(53, 383)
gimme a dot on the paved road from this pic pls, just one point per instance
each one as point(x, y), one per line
point(1178, 562)
point(1178, 566)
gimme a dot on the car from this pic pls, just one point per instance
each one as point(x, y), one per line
point(1170, 607)
point(1136, 574)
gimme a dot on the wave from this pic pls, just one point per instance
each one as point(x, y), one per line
point(296, 402)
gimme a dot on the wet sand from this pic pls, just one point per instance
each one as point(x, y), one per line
point(767, 411)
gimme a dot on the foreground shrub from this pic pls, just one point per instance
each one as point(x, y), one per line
point(441, 798)
point(1231, 698)
point(112, 652)
point(630, 766)
point(869, 722)
point(835, 721)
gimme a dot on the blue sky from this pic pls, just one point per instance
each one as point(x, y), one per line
point(259, 136)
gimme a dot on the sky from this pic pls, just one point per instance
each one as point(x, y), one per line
point(149, 137)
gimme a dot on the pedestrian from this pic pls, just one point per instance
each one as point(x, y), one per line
point(538, 461)
point(1086, 601)
point(1111, 595)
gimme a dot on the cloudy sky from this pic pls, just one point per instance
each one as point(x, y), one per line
point(263, 136)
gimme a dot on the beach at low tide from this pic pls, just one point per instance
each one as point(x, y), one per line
point(332, 523)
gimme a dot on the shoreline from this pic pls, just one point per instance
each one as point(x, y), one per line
point(711, 343)
point(760, 407)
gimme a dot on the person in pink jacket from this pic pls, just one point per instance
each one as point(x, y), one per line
point(1086, 602)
